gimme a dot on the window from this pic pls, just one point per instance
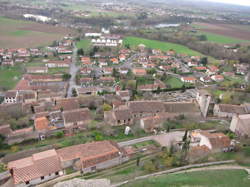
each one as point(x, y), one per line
point(42, 177)
point(119, 121)
point(57, 173)
point(27, 182)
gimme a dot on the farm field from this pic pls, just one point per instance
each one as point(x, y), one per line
point(164, 46)
point(222, 178)
point(224, 33)
point(221, 39)
point(26, 34)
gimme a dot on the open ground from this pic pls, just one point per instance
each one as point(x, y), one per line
point(27, 34)
point(224, 33)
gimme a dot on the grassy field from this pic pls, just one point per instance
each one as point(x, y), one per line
point(84, 44)
point(211, 37)
point(9, 76)
point(164, 46)
point(174, 82)
point(20, 33)
point(222, 178)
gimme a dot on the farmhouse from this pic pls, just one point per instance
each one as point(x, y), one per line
point(120, 116)
point(217, 78)
point(228, 111)
point(78, 118)
point(92, 156)
point(240, 125)
point(38, 168)
point(141, 109)
point(149, 124)
point(216, 142)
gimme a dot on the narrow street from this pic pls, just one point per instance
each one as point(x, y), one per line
point(73, 71)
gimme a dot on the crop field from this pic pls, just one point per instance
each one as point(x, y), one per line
point(224, 33)
point(19, 33)
point(222, 178)
point(164, 46)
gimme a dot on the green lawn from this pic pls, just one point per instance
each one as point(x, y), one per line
point(58, 70)
point(164, 46)
point(221, 39)
point(174, 82)
point(84, 44)
point(222, 178)
point(20, 33)
point(9, 76)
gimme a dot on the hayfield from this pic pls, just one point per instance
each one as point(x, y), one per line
point(20, 33)
point(224, 33)
point(222, 178)
point(164, 46)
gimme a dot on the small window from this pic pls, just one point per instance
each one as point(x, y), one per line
point(57, 173)
point(42, 177)
point(119, 121)
point(27, 182)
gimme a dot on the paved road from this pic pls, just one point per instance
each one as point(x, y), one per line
point(73, 70)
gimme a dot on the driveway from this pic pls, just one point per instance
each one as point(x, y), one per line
point(165, 139)
point(73, 71)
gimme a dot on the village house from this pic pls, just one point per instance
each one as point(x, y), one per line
point(58, 64)
point(37, 69)
point(123, 71)
point(212, 70)
point(217, 78)
point(106, 80)
point(107, 70)
point(11, 96)
point(139, 71)
point(66, 104)
point(114, 61)
point(200, 68)
point(119, 116)
point(124, 94)
point(36, 169)
point(42, 124)
point(102, 62)
point(122, 57)
point(91, 90)
point(86, 81)
point(228, 110)
point(92, 156)
point(206, 79)
point(64, 50)
point(191, 80)
point(85, 71)
point(216, 142)
point(192, 63)
point(86, 61)
point(151, 123)
point(240, 125)
point(78, 118)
